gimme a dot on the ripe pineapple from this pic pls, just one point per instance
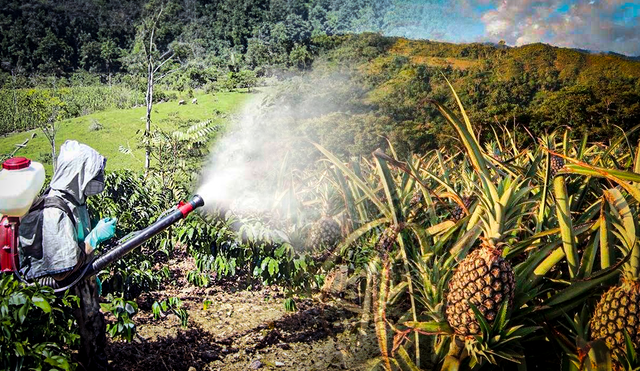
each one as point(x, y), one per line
point(617, 311)
point(484, 278)
point(557, 164)
point(326, 233)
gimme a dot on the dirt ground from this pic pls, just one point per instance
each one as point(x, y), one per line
point(245, 328)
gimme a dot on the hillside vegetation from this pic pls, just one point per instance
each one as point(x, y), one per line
point(383, 85)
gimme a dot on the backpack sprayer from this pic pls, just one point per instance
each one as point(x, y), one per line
point(21, 180)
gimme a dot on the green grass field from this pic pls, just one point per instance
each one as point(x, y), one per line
point(120, 128)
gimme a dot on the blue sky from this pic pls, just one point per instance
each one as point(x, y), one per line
point(599, 25)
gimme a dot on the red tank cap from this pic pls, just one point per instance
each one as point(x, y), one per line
point(16, 163)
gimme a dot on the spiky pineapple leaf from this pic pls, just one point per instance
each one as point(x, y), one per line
point(468, 139)
point(619, 176)
point(482, 321)
point(404, 356)
point(431, 327)
point(355, 235)
point(599, 356)
point(450, 364)
point(620, 205)
point(389, 186)
point(579, 288)
point(356, 180)
point(630, 357)
point(501, 320)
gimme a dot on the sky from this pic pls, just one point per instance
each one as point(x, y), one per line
point(597, 25)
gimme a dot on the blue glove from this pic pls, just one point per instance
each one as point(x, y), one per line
point(104, 230)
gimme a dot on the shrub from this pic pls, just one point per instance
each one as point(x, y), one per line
point(123, 312)
point(36, 327)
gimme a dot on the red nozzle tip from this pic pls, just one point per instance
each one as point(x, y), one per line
point(185, 208)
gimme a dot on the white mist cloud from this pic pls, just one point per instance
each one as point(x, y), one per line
point(252, 165)
point(244, 163)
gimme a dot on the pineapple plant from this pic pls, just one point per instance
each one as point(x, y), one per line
point(617, 313)
point(484, 278)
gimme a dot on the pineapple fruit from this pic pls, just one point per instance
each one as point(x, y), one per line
point(557, 164)
point(415, 205)
point(389, 236)
point(484, 278)
point(326, 233)
point(458, 212)
point(618, 310)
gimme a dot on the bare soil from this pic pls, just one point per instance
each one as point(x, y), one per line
point(244, 328)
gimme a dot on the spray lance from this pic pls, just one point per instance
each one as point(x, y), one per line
point(20, 184)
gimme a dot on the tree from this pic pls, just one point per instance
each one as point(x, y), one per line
point(45, 110)
point(246, 79)
point(156, 52)
point(109, 52)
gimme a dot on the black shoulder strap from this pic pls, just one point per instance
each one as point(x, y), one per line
point(58, 202)
point(61, 204)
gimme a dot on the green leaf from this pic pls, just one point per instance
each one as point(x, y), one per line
point(451, 363)
point(430, 327)
point(19, 349)
point(130, 307)
point(484, 325)
point(404, 356)
point(41, 303)
point(273, 267)
point(501, 319)
point(581, 287)
point(599, 356)
point(389, 187)
point(22, 313)
point(17, 298)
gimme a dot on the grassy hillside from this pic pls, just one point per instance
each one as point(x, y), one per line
point(120, 128)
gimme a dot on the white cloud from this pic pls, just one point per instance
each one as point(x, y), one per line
point(586, 24)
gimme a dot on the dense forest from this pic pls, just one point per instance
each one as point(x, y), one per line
point(384, 81)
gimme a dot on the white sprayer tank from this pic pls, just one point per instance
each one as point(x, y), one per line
point(20, 181)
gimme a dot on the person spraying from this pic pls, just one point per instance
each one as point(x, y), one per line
point(50, 240)
point(56, 239)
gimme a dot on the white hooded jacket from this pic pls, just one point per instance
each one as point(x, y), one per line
point(62, 243)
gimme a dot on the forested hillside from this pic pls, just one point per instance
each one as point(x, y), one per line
point(371, 86)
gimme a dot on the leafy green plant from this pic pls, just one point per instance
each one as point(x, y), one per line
point(123, 311)
point(171, 305)
point(290, 305)
point(37, 329)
